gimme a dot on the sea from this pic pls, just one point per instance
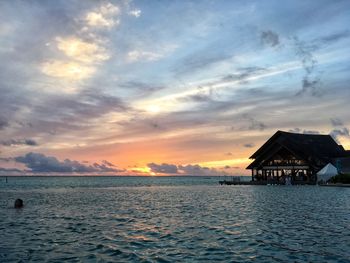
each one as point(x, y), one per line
point(170, 219)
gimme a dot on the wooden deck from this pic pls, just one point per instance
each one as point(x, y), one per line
point(271, 182)
point(226, 182)
point(335, 185)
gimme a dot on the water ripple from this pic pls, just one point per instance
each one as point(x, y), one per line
point(176, 224)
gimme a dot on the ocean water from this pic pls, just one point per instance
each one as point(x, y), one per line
point(171, 219)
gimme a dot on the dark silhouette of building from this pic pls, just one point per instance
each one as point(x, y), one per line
point(295, 157)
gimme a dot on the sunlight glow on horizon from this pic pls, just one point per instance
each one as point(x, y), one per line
point(117, 87)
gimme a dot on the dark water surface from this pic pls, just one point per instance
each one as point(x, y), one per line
point(183, 219)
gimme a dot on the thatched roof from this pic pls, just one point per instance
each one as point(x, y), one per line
point(314, 148)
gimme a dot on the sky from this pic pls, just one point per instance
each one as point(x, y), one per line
point(166, 87)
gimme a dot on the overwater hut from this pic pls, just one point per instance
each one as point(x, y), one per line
point(295, 158)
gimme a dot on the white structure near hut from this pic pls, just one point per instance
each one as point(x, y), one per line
point(327, 173)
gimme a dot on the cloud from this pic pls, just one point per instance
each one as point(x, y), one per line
point(103, 17)
point(270, 38)
point(244, 73)
point(200, 96)
point(80, 61)
point(305, 53)
point(341, 132)
point(137, 55)
point(3, 123)
point(75, 109)
point(141, 89)
point(135, 13)
point(298, 130)
point(333, 37)
point(309, 86)
point(148, 55)
point(108, 163)
point(255, 124)
point(40, 163)
point(310, 82)
point(76, 56)
point(80, 50)
point(8, 159)
point(249, 145)
point(12, 142)
point(336, 122)
point(200, 60)
point(67, 70)
point(9, 170)
point(189, 169)
point(311, 132)
point(198, 170)
point(163, 168)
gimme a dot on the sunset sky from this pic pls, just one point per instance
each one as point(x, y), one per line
point(166, 87)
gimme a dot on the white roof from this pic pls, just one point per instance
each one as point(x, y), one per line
point(327, 172)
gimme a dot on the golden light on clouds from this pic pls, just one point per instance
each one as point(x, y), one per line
point(81, 57)
point(80, 50)
point(142, 170)
point(67, 70)
point(97, 19)
point(103, 17)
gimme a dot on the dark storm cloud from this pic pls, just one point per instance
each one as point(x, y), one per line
point(40, 163)
point(13, 142)
point(163, 168)
point(270, 38)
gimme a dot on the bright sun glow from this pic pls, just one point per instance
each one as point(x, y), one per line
point(143, 170)
point(153, 109)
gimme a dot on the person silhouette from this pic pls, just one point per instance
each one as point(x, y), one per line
point(18, 203)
